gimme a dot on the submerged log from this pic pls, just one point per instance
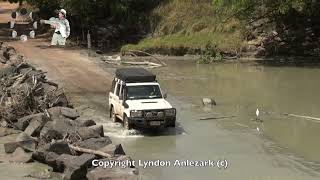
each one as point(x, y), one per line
point(145, 63)
point(148, 54)
point(212, 118)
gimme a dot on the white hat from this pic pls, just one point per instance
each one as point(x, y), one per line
point(64, 12)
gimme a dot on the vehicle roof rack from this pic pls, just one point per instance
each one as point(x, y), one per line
point(132, 75)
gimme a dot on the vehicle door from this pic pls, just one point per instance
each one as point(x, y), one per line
point(112, 92)
point(122, 97)
point(117, 103)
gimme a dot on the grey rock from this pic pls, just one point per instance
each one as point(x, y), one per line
point(113, 149)
point(20, 156)
point(59, 147)
point(56, 112)
point(69, 113)
point(49, 133)
point(23, 122)
point(77, 168)
point(28, 145)
point(208, 102)
point(36, 125)
point(58, 128)
point(49, 158)
point(91, 132)
point(85, 121)
point(94, 143)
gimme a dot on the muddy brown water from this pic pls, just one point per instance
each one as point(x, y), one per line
point(281, 147)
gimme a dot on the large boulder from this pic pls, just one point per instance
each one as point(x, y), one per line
point(48, 133)
point(64, 160)
point(59, 147)
point(57, 112)
point(58, 128)
point(50, 158)
point(28, 145)
point(116, 173)
point(94, 143)
point(20, 156)
point(91, 132)
point(77, 168)
point(23, 122)
point(70, 113)
point(113, 149)
point(36, 124)
point(85, 121)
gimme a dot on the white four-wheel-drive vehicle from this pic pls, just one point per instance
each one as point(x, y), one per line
point(136, 99)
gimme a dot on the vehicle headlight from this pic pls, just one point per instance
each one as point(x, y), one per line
point(170, 112)
point(136, 113)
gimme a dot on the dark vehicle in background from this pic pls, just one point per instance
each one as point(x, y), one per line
point(23, 23)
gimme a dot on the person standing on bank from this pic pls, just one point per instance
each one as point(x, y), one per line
point(61, 26)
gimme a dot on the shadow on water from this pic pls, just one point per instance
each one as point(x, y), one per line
point(310, 62)
point(178, 130)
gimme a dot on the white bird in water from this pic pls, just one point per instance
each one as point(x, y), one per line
point(257, 114)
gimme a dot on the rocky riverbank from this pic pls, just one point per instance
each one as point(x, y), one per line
point(51, 130)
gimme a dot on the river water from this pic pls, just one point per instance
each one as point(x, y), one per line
point(280, 147)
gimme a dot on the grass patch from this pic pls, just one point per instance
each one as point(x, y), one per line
point(188, 25)
point(224, 41)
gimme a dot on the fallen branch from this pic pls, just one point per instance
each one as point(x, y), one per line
point(133, 54)
point(90, 151)
point(52, 84)
point(21, 79)
point(211, 118)
point(148, 54)
point(146, 63)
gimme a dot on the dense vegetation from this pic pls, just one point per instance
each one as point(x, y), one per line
point(265, 27)
point(269, 27)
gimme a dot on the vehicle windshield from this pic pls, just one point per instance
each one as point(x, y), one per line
point(143, 92)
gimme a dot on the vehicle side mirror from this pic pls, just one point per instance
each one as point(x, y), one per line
point(125, 104)
point(165, 95)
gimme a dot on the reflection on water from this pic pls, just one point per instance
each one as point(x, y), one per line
point(239, 89)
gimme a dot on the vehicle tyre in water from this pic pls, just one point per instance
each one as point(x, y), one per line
point(113, 115)
point(126, 123)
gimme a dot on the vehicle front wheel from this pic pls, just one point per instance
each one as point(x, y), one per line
point(126, 123)
point(113, 115)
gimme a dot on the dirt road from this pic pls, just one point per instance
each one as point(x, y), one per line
point(82, 78)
